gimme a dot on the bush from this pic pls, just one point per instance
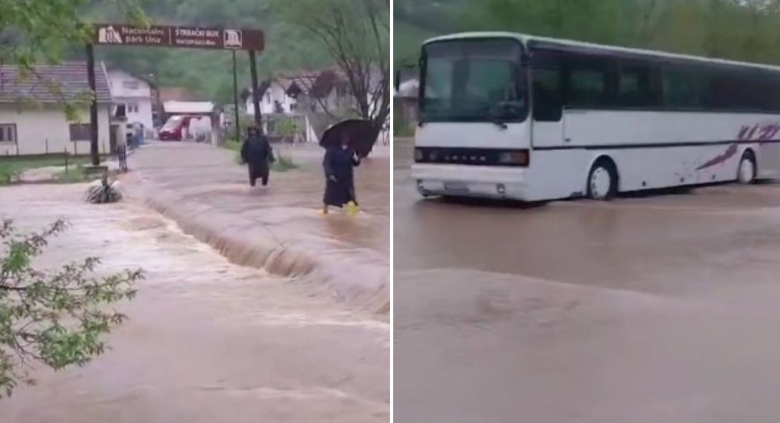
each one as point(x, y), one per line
point(283, 164)
point(103, 192)
point(402, 129)
point(57, 318)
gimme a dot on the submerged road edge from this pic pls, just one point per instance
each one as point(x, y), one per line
point(336, 276)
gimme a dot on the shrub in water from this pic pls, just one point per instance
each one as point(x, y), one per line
point(103, 192)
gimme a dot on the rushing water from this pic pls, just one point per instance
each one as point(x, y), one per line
point(279, 227)
point(209, 340)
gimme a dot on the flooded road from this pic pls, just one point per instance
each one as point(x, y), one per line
point(656, 309)
point(278, 227)
point(206, 340)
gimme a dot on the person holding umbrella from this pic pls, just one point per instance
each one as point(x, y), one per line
point(338, 164)
point(257, 153)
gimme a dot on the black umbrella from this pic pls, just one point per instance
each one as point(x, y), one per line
point(361, 135)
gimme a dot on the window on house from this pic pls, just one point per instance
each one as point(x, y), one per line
point(8, 133)
point(130, 85)
point(80, 132)
point(132, 107)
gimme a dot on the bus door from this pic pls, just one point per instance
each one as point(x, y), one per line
point(547, 99)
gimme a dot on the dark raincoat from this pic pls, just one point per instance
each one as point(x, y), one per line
point(339, 174)
point(257, 153)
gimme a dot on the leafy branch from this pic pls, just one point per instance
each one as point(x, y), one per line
point(58, 318)
point(356, 36)
point(41, 31)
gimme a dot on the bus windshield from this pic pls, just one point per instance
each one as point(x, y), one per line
point(473, 81)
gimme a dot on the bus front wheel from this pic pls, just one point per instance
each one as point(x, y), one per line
point(602, 180)
point(746, 174)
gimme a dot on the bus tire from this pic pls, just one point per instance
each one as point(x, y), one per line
point(602, 180)
point(746, 172)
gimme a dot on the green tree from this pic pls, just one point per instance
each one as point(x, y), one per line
point(734, 29)
point(289, 48)
point(57, 318)
point(356, 35)
point(35, 31)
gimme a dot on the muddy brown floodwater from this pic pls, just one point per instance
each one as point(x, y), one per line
point(277, 227)
point(642, 310)
point(208, 340)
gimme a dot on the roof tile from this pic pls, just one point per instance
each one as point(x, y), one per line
point(52, 83)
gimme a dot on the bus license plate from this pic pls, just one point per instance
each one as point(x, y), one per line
point(456, 186)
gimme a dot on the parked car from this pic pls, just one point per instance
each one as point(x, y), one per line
point(175, 129)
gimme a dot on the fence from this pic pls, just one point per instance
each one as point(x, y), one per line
point(77, 148)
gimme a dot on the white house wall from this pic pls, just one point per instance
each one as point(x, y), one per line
point(48, 131)
point(141, 96)
point(116, 81)
point(144, 113)
point(273, 94)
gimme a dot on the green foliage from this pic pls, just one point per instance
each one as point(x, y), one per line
point(732, 29)
point(286, 127)
point(12, 167)
point(402, 129)
point(283, 164)
point(210, 73)
point(71, 176)
point(355, 34)
point(58, 318)
point(32, 31)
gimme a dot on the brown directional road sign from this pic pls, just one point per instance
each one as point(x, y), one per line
point(179, 36)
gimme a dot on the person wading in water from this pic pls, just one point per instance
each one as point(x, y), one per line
point(257, 153)
point(338, 164)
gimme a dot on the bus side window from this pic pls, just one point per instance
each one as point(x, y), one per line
point(681, 88)
point(637, 86)
point(589, 82)
point(761, 90)
point(771, 93)
point(547, 95)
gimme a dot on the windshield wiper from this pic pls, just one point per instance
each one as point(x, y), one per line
point(496, 113)
point(500, 123)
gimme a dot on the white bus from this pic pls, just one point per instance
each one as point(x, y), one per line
point(514, 116)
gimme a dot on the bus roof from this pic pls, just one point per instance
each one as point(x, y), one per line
point(525, 38)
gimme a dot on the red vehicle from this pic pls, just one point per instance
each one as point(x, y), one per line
point(175, 128)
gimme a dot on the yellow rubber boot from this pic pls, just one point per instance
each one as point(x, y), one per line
point(352, 208)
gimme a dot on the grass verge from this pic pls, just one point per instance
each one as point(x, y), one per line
point(11, 168)
point(282, 163)
point(73, 176)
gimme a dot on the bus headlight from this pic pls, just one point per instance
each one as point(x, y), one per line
point(418, 155)
point(516, 158)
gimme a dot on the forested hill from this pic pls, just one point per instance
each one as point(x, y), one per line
point(736, 29)
point(210, 72)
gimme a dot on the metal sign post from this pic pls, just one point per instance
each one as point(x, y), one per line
point(251, 40)
point(235, 99)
